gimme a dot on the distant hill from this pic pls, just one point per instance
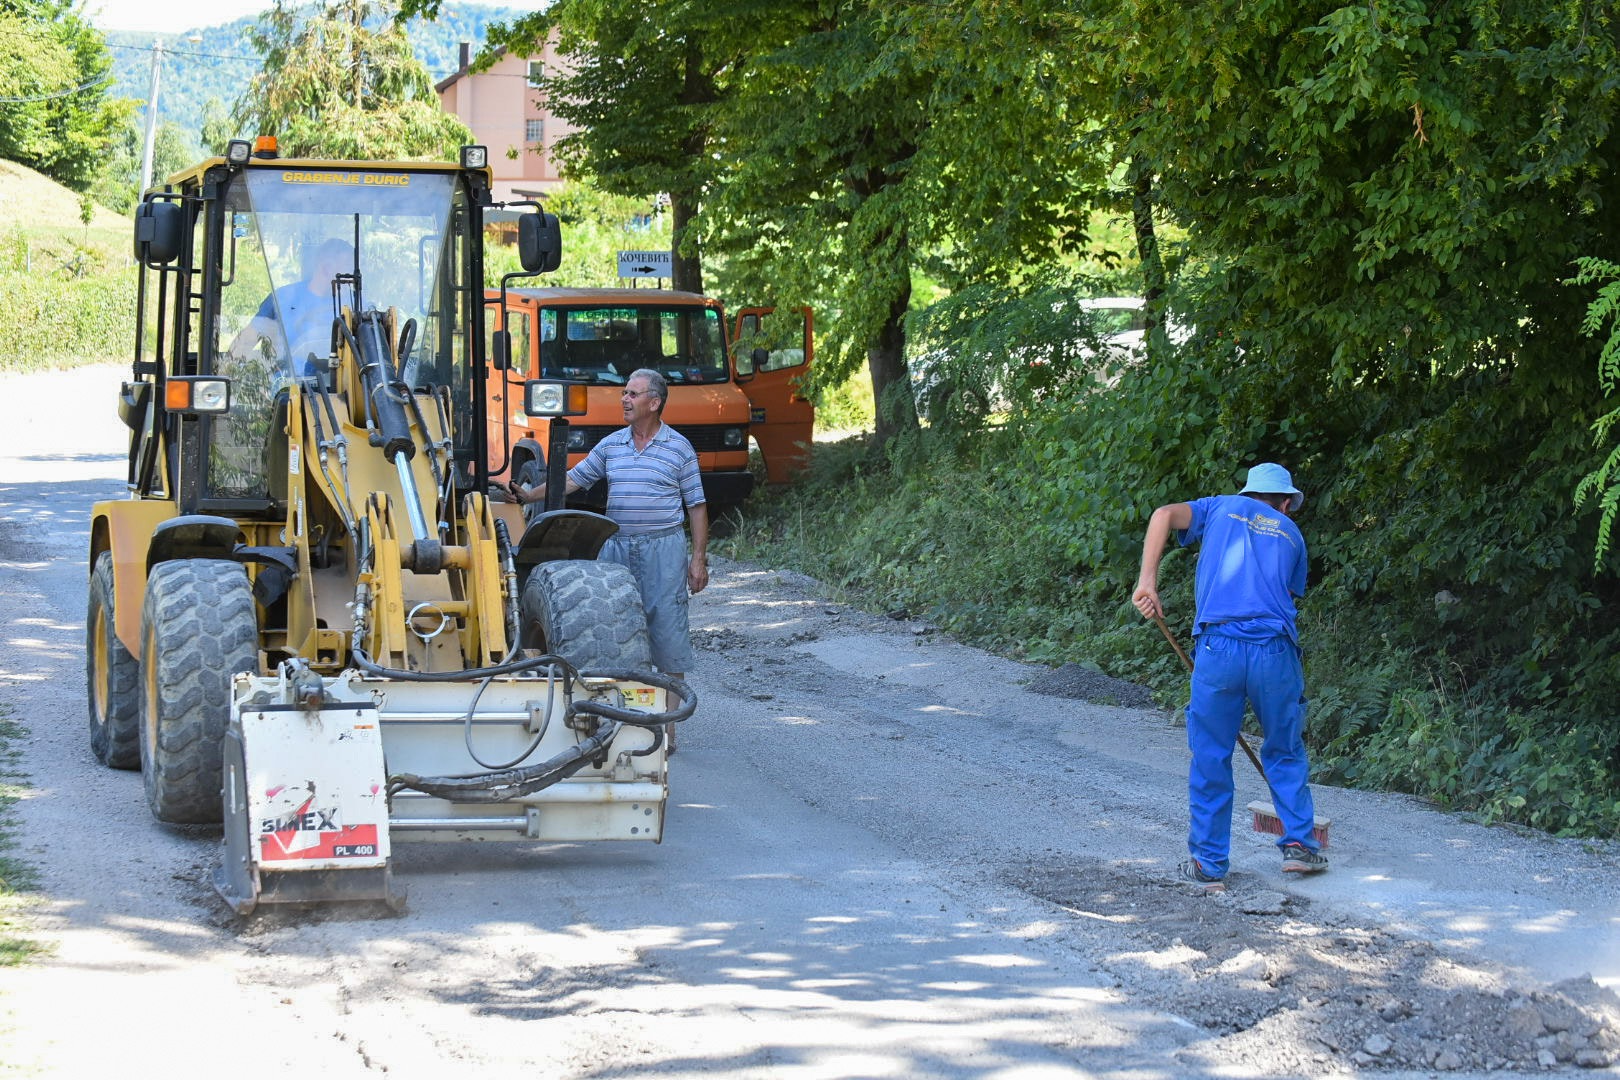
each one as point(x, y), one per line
point(221, 61)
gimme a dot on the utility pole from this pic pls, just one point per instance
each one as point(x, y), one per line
point(151, 116)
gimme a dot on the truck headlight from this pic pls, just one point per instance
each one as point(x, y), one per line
point(733, 438)
point(576, 440)
point(545, 398)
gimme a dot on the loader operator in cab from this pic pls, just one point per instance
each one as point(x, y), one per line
point(297, 318)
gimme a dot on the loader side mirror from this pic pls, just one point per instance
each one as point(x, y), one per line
point(539, 243)
point(157, 232)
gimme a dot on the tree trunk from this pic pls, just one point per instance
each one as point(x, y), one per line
point(686, 271)
point(891, 381)
point(697, 91)
point(1147, 250)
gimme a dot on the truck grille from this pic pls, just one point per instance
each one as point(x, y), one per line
point(705, 438)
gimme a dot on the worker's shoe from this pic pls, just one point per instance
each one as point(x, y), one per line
point(1191, 871)
point(1299, 859)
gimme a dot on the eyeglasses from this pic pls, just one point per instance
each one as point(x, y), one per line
point(634, 393)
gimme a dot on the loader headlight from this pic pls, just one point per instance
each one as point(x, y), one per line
point(197, 395)
point(474, 157)
point(543, 398)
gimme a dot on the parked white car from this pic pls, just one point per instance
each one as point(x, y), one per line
point(1121, 322)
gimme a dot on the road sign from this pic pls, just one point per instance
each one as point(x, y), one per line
point(648, 264)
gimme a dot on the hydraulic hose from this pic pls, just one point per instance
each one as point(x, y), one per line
point(510, 784)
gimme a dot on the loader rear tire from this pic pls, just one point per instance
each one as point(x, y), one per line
point(589, 613)
point(199, 627)
point(113, 676)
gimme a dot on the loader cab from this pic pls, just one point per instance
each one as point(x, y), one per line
point(247, 264)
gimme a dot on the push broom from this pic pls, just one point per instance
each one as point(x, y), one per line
point(1265, 814)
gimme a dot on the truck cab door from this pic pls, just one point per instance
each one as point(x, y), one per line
point(770, 357)
point(504, 409)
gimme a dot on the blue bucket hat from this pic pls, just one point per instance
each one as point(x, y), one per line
point(1270, 478)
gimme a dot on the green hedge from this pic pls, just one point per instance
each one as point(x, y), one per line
point(49, 321)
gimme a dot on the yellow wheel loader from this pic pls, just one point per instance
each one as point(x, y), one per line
point(307, 621)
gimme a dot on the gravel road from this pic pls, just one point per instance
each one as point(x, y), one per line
point(887, 855)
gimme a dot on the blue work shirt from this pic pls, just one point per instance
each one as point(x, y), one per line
point(1251, 566)
point(305, 319)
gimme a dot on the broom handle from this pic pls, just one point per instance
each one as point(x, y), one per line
point(1176, 645)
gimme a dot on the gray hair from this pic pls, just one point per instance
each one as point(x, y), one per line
point(655, 382)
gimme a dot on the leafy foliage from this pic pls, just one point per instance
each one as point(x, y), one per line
point(343, 83)
point(118, 186)
point(1603, 482)
point(212, 64)
point(56, 116)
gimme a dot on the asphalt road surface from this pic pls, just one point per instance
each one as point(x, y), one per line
point(884, 857)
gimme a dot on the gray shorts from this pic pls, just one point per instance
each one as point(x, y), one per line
point(658, 562)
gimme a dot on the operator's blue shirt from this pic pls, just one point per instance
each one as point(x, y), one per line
point(1251, 566)
point(305, 319)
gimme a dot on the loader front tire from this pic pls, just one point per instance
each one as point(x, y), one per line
point(199, 627)
point(589, 613)
point(113, 676)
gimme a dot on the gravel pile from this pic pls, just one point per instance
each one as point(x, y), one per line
point(1081, 683)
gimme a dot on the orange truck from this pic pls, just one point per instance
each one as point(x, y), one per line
point(727, 383)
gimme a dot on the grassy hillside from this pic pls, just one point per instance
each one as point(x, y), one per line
point(67, 289)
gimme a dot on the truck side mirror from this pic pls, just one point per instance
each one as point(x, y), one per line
point(157, 232)
point(500, 347)
point(539, 243)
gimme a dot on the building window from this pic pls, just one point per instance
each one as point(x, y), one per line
point(537, 73)
point(534, 132)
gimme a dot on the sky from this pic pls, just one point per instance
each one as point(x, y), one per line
point(175, 16)
point(168, 16)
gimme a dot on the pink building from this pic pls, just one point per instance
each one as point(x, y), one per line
point(503, 108)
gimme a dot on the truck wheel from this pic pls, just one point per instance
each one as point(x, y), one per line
point(113, 676)
point(198, 628)
point(589, 613)
point(529, 474)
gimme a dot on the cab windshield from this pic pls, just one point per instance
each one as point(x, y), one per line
point(300, 245)
point(607, 344)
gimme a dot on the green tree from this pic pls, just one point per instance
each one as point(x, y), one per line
point(118, 186)
point(54, 72)
point(342, 82)
point(639, 87)
point(872, 142)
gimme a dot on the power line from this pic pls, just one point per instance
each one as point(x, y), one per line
point(59, 94)
point(181, 52)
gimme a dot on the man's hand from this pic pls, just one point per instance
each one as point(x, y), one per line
point(525, 495)
point(697, 574)
point(1146, 599)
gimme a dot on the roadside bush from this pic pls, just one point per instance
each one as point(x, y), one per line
point(55, 320)
point(1459, 644)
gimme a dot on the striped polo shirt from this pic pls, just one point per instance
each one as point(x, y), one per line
point(648, 491)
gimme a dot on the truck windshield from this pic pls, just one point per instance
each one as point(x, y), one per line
point(298, 246)
point(606, 344)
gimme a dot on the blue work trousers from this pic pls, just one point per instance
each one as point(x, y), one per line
point(658, 562)
point(1230, 673)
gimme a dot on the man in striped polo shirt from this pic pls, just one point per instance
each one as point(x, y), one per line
point(652, 475)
